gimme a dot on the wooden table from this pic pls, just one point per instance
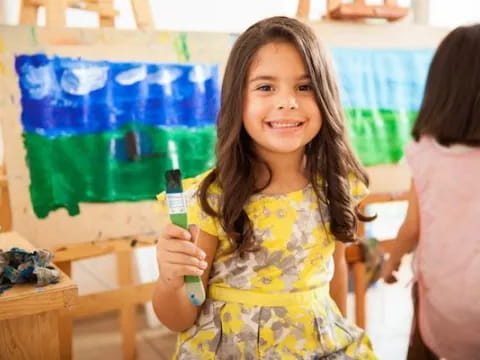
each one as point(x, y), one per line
point(31, 316)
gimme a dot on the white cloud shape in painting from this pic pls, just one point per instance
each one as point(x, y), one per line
point(164, 76)
point(132, 76)
point(38, 81)
point(83, 80)
point(200, 73)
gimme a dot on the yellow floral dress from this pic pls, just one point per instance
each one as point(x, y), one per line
point(273, 303)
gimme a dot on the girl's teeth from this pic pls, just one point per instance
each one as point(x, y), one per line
point(284, 125)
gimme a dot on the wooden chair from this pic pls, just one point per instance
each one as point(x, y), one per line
point(356, 260)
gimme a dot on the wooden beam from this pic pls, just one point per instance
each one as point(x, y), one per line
point(357, 11)
point(353, 253)
point(55, 10)
point(106, 20)
point(112, 300)
point(28, 13)
point(5, 210)
point(360, 289)
point(65, 326)
point(143, 14)
point(390, 2)
point(303, 9)
point(56, 13)
point(127, 319)
point(101, 247)
point(332, 4)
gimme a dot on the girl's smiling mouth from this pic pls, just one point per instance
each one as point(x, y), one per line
point(285, 124)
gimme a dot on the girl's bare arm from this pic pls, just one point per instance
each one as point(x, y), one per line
point(407, 236)
point(339, 283)
point(170, 301)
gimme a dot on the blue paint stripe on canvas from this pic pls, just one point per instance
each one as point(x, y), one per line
point(62, 96)
point(382, 78)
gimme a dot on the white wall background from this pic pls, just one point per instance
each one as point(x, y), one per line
point(235, 15)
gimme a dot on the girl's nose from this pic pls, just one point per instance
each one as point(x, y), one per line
point(288, 103)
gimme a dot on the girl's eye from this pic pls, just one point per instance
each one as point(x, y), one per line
point(265, 88)
point(305, 87)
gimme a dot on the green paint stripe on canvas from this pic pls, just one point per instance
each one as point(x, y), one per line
point(67, 170)
point(379, 136)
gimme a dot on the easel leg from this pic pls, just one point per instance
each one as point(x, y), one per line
point(143, 15)
point(65, 321)
point(360, 290)
point(331, 5)
point(303, 9)
point(127, 312)
point(106, 21)
point(28, 13)
point(55, 12)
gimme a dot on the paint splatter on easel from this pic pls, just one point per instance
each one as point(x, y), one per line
point(181, 47)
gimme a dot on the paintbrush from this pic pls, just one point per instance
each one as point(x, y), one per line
point(177, 209)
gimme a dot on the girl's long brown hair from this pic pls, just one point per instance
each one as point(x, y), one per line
point(329, 158)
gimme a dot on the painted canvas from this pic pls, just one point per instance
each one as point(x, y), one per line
point(381, 91)
point(102, 131)
point(98, 131)
point(364, 59)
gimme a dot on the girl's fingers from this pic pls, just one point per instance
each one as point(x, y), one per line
point(388, 273)
point(171, 231)
point(390, 279)
point(185, 247)
point(178, 255)
point(176, 270)
point(182, 259)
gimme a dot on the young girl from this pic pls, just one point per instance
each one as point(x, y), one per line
point(285, 187)
point(443, 216)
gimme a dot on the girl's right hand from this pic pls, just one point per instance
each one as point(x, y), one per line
point(390, 267)
point(178, 256)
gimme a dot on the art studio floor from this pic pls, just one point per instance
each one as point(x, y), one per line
point(388, 320)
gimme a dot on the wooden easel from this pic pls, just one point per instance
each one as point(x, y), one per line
point(357, 10)
point(127, 296)
point(55, 11)
point(123, 300)
point(5, 211)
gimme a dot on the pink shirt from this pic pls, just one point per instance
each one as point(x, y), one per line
point(447, 258)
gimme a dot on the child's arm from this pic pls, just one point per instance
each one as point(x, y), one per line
point(339, 283)
point(177, 257)
point(407, 237)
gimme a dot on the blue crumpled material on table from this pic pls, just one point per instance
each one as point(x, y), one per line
point(18, 266)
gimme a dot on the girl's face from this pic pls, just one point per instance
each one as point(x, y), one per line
point(280, 112)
